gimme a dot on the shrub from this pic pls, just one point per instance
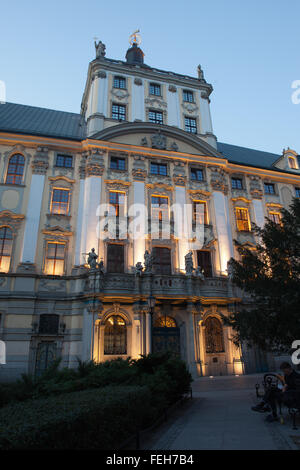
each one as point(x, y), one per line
point(91, 419)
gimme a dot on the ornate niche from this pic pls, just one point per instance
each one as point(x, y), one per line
point(139, 171)
point(179, 176)
point(94, 165)
point(218, 179)
point(255, 186)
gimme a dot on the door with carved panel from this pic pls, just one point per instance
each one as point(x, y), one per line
point(166, 335)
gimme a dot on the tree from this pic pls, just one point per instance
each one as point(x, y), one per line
point(270, 274)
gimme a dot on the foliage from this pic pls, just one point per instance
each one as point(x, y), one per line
point(271, 275)
point(91, 419)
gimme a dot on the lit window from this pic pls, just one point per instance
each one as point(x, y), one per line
point(117, 203)
point(6, 239)
point(159, 207)
point(188, 96)
point(214, 339)
point(115, 336)
point(275, 217)
point(60, 201)
point(236, 183)
point(119, 112)
point(196, 174)
point(117, 163)
point(154, 89)
point(55, 258)
point(292, 163)
point(65, 161)
point(15, 169)
point(242, 219)
point(297, 190)
point(119, 82)
point(156, 117)
point(190, 125)
point(269, 188)
point(158, 169)
point(165, 322)
point(199, 212)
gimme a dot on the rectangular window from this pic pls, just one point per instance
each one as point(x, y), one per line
point(60, 201)
point(117, 163)
point(158, 169)
point(275, 217)
point(242, 219)
point(159, 208)
point(119, 112)
point(65, 161)
point(6, 242)
point(156, 117)
point(199, 212)
point(115, 258)
point(161, 260)
point(190, 125)
point(188, 96)
point(269, 188)
point(236, 183)
point(204, 262)
point(117, 203)
point(49, 324)
point(119, 82)
point(297, 190)
point(154, 89)
point(55, 258)
point(197, 174)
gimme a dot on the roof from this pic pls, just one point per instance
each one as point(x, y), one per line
point(245, 156)
point(41, 121)
point(33, 120)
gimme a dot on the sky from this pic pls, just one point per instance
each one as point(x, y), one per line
point(249, 51)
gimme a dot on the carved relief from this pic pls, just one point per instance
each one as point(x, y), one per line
point(159, 141)
point(191, 108)
point(172, 88)
point(218, 179)
point(159, 102)
point(179, 177)
point(94, 163)
point(139, 167)
point(255, 186)
point(12, 220)
point(40, 162)
point(138, 81)
point(120, 94)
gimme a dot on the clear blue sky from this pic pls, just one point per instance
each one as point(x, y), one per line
point(249, 51)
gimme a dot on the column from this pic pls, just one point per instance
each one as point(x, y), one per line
point(31, 230)
point(91, 201)
point(138, 100)
point(148, 333)
point(79, 259)
point(139, 221)
point(182, 220)
point(258, 212)
point(90, 315)
point(202, 349)
point(191, 311)
point(223, 226)
point(173, 107)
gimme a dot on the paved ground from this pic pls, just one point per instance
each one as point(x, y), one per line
point(219, 417)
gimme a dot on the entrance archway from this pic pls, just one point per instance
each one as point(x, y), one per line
point(166, 335)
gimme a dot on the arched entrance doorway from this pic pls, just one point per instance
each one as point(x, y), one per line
point(214, 347)
point(166, 335)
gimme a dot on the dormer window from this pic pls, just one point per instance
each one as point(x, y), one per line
point(155, 89)
point(292, 163)
point(119, 82)
point(188, 96)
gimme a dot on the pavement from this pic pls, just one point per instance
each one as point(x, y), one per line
point(219, 417)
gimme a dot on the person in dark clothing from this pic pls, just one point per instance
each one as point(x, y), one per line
point(289, 394)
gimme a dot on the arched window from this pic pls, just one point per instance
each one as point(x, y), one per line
point(115, 336)
point(6, 239)
point(15, 169)
point(165, 322)
point(292, 163)
point(214, 335)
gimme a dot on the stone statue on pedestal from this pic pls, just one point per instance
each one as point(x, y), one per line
point(148, 262)
point(100, 49)
point(92, 258)
point(200, 72)
point(199, 273)
point(138, 269)
point(189, 265)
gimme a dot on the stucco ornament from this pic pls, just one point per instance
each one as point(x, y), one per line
point(148, 261)
point(92, 258)
point(189, 265)
point(159, 141)
point(100, 49)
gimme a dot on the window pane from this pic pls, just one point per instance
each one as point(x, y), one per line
point(188, 96)
point(154, 89)
point(162, 260)
point(242, 219)
point(190, 125)
point(15, 169)
point(204, 262)
point(6, 240)
point(115, 336)
point(64, 161)
point(119, 82)
point(156, 117)
point(196, 174)
point(60, 201)
point(115, 258)
point(118, 112)
point(236, 183)
point(49, 324)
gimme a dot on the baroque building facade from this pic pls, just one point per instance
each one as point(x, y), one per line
point(144, 138)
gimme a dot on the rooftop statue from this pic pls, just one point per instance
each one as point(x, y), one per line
point(100, 49)
point(92, 258)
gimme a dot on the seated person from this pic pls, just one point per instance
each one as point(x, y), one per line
point(287, 395)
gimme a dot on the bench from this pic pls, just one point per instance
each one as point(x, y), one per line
point(272, 381)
